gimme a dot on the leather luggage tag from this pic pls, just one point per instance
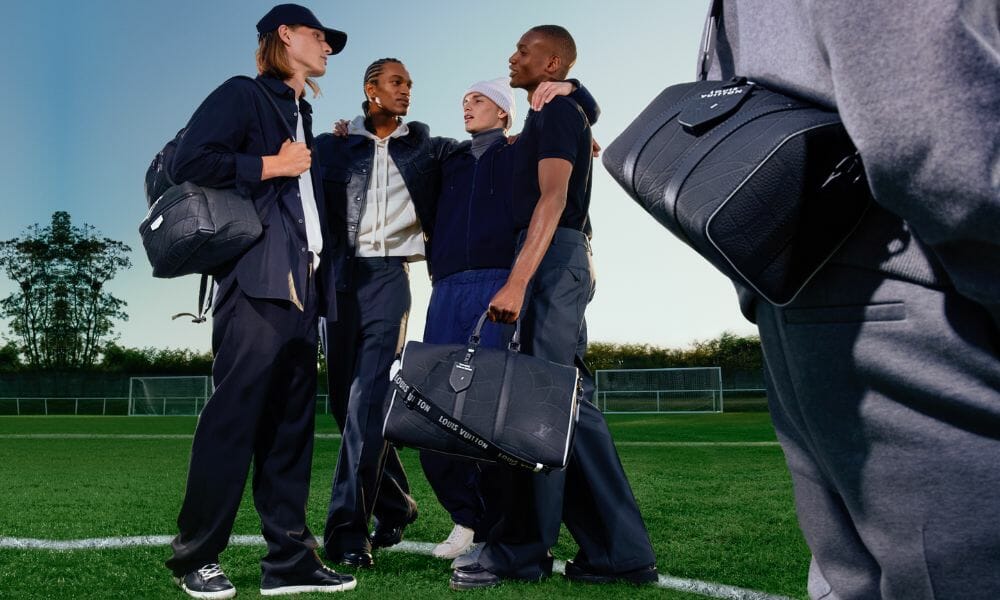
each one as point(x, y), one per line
point(714, 105)
point(461, 376)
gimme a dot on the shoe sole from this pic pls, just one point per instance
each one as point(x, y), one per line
point(288, 590)
point(220, 595)
point(458, 586)
point(451, 554)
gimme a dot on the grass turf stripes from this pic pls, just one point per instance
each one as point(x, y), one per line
point(703, 588)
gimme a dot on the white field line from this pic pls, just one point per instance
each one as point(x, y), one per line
point(120, 436)
point(704, 588)
point(696, 444)
point(326, 436)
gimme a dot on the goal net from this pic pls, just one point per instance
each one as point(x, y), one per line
point(168, 395)
point(695, 389)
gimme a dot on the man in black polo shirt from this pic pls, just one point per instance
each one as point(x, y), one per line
point(551, 281)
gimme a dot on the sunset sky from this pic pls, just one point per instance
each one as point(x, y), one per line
point(94, 89)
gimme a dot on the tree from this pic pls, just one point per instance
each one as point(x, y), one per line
point(740, 357)
point(10, 359)
point(62, 314)
point(150, 361)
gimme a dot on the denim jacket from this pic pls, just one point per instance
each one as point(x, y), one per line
point(346, 164)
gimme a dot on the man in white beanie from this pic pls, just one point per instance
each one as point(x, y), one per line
point(470, 257)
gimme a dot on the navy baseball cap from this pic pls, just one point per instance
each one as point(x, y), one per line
point(293, 14)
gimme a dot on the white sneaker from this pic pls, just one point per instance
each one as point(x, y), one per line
point(469, 558)
point(458, 543)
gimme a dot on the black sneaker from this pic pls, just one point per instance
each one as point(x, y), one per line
point(207, 582)
point(384, 536)
point(323, 579)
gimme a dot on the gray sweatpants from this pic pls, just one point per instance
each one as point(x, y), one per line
point(885, 393)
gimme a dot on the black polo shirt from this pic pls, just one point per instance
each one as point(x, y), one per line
point(559, 130)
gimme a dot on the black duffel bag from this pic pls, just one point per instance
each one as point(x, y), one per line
point(765, 186)
point(487, 404)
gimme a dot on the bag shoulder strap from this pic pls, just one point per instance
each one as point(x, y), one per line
point(270, 99)
point(715, 44)
point(708, 39)
point(204, 289)
point(425, 407)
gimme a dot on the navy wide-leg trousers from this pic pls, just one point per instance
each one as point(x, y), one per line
point(262, 410)
point(592, 495)
point(360, 348)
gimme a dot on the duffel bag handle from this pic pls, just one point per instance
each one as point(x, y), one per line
point(515, 341)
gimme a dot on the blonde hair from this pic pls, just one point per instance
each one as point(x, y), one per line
point(272, 59)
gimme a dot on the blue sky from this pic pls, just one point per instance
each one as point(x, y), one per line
point(94, 89)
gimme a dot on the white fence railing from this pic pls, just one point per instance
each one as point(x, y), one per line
point(109, 405)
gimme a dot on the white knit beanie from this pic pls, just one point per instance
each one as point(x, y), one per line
point(499, 91)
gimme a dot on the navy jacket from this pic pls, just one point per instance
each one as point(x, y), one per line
point(347, 165)
point(223, 147)
point(475, 224)
point(474, 228)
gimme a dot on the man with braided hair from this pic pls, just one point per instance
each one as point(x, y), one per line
point(382, 180)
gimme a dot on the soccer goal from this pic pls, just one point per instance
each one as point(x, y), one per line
point(687, 390)
point(168, 395)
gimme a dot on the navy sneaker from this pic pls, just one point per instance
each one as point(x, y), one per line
point(208, 582)
point(323, 579)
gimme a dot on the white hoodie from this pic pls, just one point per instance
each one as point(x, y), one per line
point(389, 225)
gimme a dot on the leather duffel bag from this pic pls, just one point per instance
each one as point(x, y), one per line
point(487, 404)
point(763, 185)
point(194, 229)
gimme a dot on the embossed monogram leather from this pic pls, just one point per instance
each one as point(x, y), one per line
point(522, 404)
point(766, 187)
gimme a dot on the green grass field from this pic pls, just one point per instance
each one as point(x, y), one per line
point(718, 513)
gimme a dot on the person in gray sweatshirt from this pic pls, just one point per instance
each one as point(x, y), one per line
point(884, 374)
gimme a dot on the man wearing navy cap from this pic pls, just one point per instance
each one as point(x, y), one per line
point(255, 136)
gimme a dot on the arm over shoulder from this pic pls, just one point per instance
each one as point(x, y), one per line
point(586, 101)
point(443, 147)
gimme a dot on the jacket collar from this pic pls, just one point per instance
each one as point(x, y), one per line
point(282, 90)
